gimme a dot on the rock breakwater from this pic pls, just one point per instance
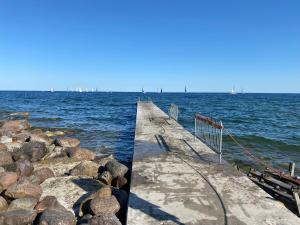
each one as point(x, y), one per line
point(48, 179)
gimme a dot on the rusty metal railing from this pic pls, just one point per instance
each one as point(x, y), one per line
point(210, 132)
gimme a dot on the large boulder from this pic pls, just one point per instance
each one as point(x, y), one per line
point(81, 153)
point(116, 169)
point(7, 179)
point(105, 219)
point(3, 204)
point(15, 126)
point(34, 150)
point(103, 161)
point(18, 217)
point(24, 188)
point(70, 190)
point(23, 136)
point(67, 142)
point(104, 202)
point(43, 173)
point(22, 203)
point(119, 182)
point(85, 168)
point(24, 167)
point(5, 158)
point(41, 137)
point(49, 202)
point(56, 217)
point(57, 151)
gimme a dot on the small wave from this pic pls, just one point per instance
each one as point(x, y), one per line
point(258, 142)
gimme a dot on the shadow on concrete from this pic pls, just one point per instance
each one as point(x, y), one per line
point(212, 159)
point(208, 158)
point(152, 210)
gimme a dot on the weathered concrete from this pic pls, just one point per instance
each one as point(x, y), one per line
point(176, 180)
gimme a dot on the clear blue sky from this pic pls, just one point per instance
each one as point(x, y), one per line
point(126, 45)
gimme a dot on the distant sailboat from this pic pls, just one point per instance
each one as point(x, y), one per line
point(51, 89)
point(143, 91)
point(185, 89)
point(161, 90)
point(233, 92)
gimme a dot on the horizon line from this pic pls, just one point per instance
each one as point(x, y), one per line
point(152, 92)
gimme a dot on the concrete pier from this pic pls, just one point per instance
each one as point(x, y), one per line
point(176, 180)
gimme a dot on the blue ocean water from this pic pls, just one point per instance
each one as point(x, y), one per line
point(268, 124)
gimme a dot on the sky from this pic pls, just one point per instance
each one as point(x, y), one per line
point(208, 46)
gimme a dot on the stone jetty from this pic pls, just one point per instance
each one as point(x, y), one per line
point(178, 180)
point(48, 179)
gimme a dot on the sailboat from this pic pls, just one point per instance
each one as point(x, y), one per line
point(143, 91)
point(185, 89)
point(52, 90)
point(161, 90)
point(233, 92)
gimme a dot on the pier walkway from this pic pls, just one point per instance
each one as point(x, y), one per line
point(176, 180)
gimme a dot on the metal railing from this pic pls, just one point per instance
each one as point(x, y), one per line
point(210, 132)
point(173, 112)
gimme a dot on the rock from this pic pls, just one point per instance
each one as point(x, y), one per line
point(23, 136)
point(5, 158)
point(60, 166)
point(41, 138)
point(3, 204)
point(51, 148)
point(116, 169)
point(24, 188)
point(56, 217)
point(70, 190)
point(68, 142)
point(13, 146)
point(2, 169)
point(18, 217)
point(105, 160)
point(54, 133)
point(34, 150)
point(103, 192)
point(104, 203)
point(85, 168)
point(81, 153)
point(15, 126)
point(49, 202)
point(43, 173)
point(24, 167)
point(7, 179)
point(105, 219)
point(5, 139)
point(22, 203)
point(32, 179)
point(119, 182)
point(106, 178)
point(3, 147)
point(57, 152)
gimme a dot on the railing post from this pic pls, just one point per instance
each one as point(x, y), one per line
point(195, 128)
point(220, 145)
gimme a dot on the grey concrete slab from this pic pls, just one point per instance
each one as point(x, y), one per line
point(176, 180)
